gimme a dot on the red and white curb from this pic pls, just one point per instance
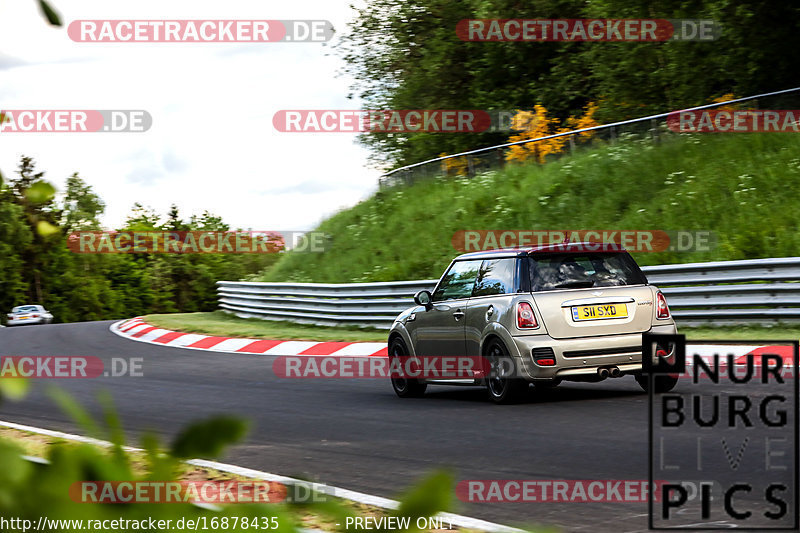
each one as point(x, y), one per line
point(137, 329)
point(739, 353)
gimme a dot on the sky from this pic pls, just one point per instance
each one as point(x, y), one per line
point(212, 145)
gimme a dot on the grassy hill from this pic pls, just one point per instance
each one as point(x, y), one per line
point(742, 186)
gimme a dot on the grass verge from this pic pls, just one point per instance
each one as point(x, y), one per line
point(742, 187)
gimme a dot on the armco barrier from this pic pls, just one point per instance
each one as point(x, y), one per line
point(756, 291)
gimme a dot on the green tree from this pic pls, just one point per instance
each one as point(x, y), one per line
point(406, 55)
point(81, 208)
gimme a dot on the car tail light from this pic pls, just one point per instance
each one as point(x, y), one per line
point(525, 317)
point(662, 310)
point(35, 316)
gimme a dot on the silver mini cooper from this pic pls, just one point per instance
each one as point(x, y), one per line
point(540, 315)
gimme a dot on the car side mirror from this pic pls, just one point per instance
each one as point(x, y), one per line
point(423, 298)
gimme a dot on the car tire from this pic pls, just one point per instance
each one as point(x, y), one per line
point(501, 388)
point(662, 383)
point(404, 387)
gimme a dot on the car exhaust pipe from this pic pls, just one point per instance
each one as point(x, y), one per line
point(602, 373)
point(615, 372)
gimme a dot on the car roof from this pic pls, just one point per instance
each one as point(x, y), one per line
point(570, 247)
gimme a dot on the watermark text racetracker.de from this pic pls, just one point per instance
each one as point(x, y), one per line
point(69, 366)
point(553, 490)
point(411, 367)
point(592, 240)
point(735, 121)
point(587, 30)
point(196, 242)
point(393, 120)
point(570, 490)
point(200, 31)
point(206, 491)
point(74, 120)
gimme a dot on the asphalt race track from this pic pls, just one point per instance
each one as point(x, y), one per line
point(357, 434)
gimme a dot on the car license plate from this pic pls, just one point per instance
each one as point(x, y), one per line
point(24, 317)
point(599, 312)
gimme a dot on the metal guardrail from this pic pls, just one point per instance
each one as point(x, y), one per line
point(757, 291)
point(361, 304)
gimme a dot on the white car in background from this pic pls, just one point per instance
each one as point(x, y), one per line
point(28, 314)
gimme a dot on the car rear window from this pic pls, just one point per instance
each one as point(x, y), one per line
point(576, 271)
point(24, 309)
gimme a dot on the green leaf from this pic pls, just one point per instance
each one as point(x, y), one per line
point(45, 229)
point(13, 388)
point(40, 192)
point(15, 468)
point(77, 413)
point(52, 17)
point(428, 498)
point(207, 439)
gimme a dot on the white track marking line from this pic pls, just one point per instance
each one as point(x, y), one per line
point(359, 497)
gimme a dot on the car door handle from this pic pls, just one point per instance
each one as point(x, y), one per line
point(458, 314)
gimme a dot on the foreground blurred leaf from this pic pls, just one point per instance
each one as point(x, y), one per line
point(13, 388)
point(68, 404)
point(45, 229)
point(40, 192)
point(15, 468)
point(428, 498)
point(207, 439)
point(50, 13)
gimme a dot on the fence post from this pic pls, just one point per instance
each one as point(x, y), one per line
point(654, 131)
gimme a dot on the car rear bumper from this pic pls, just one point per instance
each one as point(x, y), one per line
point(580, 358)
point(20, 322)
